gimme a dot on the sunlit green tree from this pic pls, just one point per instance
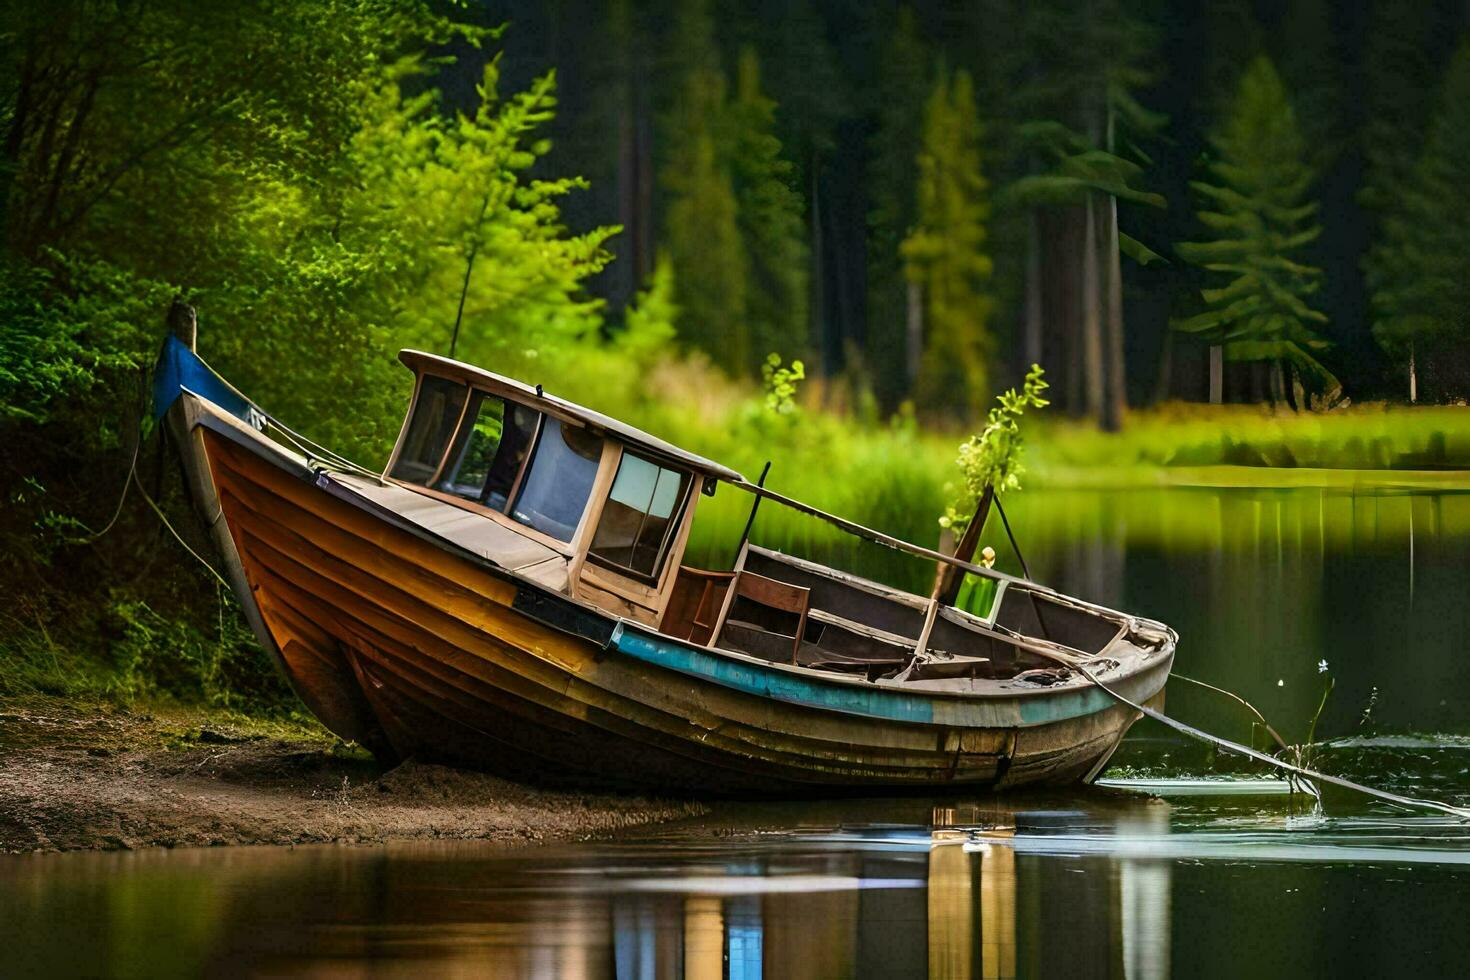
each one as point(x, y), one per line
point(902, 86)
point(945, 256)
point(702, 215)
point(770, 217)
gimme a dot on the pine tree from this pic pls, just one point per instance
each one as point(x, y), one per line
point(1082, 134)
point(770, 218)
point(1400, 64)
point(1257, 205)
point(701, 218)
point(945, 255)
point(1311, 66)
point(901, 89)
point(1420, 270)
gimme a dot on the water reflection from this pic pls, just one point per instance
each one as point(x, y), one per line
point(962, 897)
point(1099, 884)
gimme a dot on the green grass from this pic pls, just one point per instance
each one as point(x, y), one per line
point(1161, 444)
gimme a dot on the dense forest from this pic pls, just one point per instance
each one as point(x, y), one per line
point(643, 203)
point(927, 197)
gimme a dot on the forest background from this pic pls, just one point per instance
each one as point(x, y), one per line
point(1163, 203)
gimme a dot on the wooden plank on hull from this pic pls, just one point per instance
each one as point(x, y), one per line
point(808, 754)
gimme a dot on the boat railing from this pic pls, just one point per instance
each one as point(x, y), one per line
point(878, 537)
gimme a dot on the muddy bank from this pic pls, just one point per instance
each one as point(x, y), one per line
point(73, 779)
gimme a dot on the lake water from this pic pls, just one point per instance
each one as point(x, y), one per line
point(1218, 876)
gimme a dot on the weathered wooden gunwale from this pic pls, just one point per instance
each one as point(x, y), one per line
point(399, 640)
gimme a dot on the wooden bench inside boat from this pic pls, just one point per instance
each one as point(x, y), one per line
point(783, 609)
point(787, 610)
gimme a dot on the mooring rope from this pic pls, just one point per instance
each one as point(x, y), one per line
point(177, 537)
point(1270, 760)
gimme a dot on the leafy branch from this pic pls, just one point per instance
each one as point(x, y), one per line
point(993, 457)
point(780, 383)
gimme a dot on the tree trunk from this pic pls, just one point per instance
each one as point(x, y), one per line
point(1092, 347)
point(626, 280)
point(1277, 381)
point(1164, 381)
point(1217, 374)
point(914, 334)
point(1115, 406)
point(818, 313)
point(1033, 343)
point(635, 185)
point(1060, 305)
point(1257, 371)
point(1413, 377)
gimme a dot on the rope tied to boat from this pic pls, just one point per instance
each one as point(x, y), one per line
point(1296, 771)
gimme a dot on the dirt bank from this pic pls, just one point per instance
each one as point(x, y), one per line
point(105, 778)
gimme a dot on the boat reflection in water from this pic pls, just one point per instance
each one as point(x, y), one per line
point(971, 893)
point(981, 894)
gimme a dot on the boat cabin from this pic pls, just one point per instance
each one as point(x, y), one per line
point(591, 507)
point(609, 506)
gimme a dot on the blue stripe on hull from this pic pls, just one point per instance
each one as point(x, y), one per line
point(774, 684)
point(780, 685)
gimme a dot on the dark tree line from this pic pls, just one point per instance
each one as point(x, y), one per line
point(781, 155)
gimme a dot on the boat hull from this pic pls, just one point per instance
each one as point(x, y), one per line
point(414, 650)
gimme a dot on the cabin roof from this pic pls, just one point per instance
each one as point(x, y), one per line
point(421, 361)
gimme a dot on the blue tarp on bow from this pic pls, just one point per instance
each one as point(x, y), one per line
point(179, 368)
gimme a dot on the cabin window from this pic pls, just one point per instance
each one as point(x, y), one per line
point(435, 413)
point(640, 516)
point(488, 452)
point(559, 480)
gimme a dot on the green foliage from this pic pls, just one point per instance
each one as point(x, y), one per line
point(1079, 169)
point(770, 216)
point(1419, 271)
point(702, 230)
point(1257, 205)
point(993, 457)
point(781, 383)
point(72, 331)
point(290, 170)
point(899, 93)
point(649, 325)
point(733, 221)
point(945, 253)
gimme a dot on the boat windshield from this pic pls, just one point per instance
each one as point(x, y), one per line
point(487, 454)
point(639, 518)
point(436, 411)
point(559, 480)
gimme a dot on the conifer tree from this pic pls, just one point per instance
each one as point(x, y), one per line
point(901, 89)
point(1400, 65)
point(701, 217)
point(1420, 270)
point(1256, 205)
point(1310, 65)
point(945, 255)
point(1083, 134)
point(770, 219)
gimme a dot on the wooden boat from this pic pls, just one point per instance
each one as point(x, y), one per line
point(509, 593)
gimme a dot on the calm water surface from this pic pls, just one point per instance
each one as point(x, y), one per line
point(1219, 877)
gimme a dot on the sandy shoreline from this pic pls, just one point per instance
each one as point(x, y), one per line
point(73, 779)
